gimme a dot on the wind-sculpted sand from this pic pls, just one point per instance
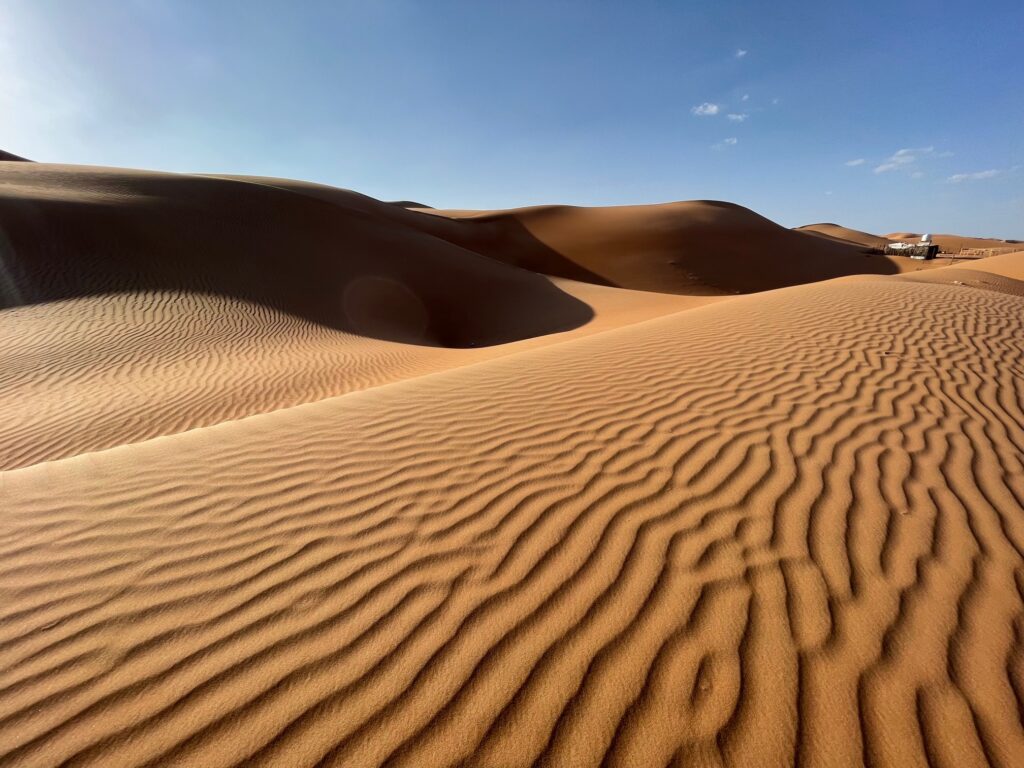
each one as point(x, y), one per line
point(837, 232)
point(777, 529)
point(142, 304)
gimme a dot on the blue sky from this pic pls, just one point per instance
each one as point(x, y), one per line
point(879, 115)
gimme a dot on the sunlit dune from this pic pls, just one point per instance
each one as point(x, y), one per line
point(295, 477)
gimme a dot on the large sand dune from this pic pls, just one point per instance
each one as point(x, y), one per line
point(696, 247)
point(247, 523)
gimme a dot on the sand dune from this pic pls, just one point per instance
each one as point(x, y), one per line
point(690, 247)
point(846, 234)
point(143, 304)
point(182, 301)
point(634, 529)
point(8, 157)
point(74, 231)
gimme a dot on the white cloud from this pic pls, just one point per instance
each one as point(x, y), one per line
point(730, 142)
point(854, 163)
point(706, 109)
point(737, 117)
point(740, 53)
point(956, 178)
point(902, 158)
point(746, 97)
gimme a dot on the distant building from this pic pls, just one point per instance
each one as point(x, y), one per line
point(923, 249)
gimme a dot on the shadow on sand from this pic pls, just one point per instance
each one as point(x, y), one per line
point(87, 232)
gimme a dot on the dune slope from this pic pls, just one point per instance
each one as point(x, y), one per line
point(688, 247)
point(692, 248)
point(75, 231)
point(753, 533)
point(845, 233)
point(142, 304)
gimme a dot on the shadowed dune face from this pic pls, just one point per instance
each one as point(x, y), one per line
point(8, 157)
point(690, 248)
point(69, 232)
point(503, 238)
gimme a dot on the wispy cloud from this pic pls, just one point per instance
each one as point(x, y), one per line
point(740, 53)
point(855, 163)
point(956, 178)
point(746, 97)
point(737, 117)
point(706, 109)
point(902, 158)
point(730, 142)
point(909, 155)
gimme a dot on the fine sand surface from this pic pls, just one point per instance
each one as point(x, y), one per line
point(296, 477)
point(838, 232)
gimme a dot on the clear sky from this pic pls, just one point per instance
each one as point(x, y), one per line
point(879, 115)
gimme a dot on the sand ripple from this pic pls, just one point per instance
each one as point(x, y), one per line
point(784, 529)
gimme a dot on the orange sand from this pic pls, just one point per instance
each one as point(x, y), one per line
point(295, 477)
point(838, 232)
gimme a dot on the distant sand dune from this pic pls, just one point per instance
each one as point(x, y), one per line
point(777, 529)
point(693, 248)
point(688, 247)
point(845, 233)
